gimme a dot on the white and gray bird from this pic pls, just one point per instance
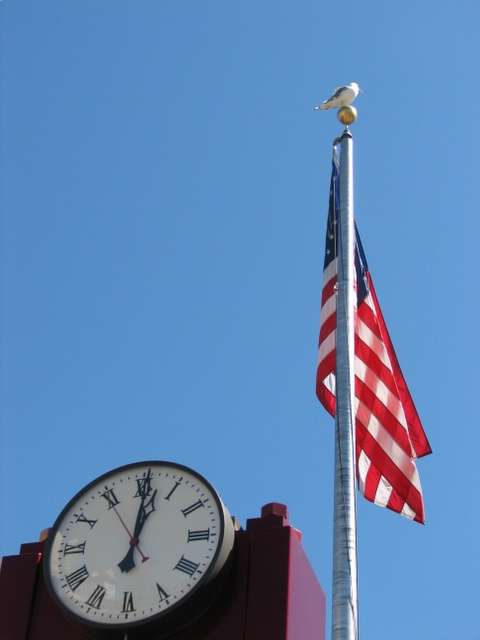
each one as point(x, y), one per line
point(341, 97)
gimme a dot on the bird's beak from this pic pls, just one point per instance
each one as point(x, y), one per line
point(360, 90)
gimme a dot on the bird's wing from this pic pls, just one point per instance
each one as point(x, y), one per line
point(338, 91)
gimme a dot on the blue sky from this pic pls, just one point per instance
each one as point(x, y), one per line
point(163, 207)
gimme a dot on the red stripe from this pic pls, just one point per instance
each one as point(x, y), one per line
point(326, 397)
point(328, 326)
point(326, 367)
point(365, 312)
point(372, 479)
point(329, 289)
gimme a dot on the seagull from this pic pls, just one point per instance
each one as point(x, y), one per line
point(341, 97)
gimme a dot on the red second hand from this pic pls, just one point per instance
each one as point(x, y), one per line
point(133, 541)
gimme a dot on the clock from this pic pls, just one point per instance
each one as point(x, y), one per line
point(140, 552)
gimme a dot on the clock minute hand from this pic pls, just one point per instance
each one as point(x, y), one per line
point(127, 529)
point(144, 510)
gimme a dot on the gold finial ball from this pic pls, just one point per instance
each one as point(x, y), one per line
point(347, 115)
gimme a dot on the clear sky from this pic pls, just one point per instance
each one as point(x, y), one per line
point(164, 193)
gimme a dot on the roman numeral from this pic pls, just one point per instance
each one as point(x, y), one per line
point(74, 548)
point(82, 518)
point(110, 497)
point(193, 507)
point(187, 566)
point(162, 594)
point(76, 578)
point(203, 534)
point(127, 602)
point(174, 487)
point(95, 600)
point(144, 486)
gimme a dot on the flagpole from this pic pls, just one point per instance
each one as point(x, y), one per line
point(344, 582)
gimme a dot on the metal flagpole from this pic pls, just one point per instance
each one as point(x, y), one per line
point(344, 583)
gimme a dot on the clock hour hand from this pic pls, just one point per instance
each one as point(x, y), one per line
point(145, 509)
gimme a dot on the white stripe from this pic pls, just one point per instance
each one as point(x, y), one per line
point(329, 307)
point(327, 345)
point(329, 383)
point(363, 465)
point(374, 342)
point(330, 271)
point(383, 493)
point(407, 512)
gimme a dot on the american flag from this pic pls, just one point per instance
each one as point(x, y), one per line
point(389, 434)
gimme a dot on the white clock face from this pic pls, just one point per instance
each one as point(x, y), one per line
point(136, 543)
